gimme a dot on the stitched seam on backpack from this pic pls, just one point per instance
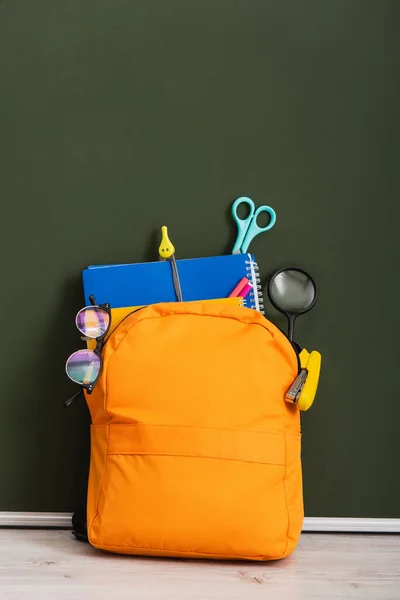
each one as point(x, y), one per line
point(105, 370)
point(183, 455)
point(101, 483)
point(175, 552)
point(286, 499)
point(239, 429)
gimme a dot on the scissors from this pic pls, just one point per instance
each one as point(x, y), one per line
point(248, 228)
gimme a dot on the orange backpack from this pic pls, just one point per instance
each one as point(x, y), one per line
point(194, 451)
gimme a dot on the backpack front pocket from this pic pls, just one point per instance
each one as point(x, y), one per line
point(190, 491)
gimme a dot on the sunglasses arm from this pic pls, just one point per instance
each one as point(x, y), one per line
point(73, 398)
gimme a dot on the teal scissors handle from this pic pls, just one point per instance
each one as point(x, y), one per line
point(248, 228)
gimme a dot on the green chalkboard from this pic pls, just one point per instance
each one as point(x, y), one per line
point(117, 117)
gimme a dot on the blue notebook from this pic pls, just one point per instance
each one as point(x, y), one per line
point(149, 283)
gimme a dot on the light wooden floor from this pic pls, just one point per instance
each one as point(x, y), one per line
point(51, 565)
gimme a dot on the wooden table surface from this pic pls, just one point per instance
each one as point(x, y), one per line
point(52, 565)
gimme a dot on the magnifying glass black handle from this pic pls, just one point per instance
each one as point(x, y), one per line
point(291, 320)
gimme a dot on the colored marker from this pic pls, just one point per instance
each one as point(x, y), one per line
point(246, 290)
point(236, 292)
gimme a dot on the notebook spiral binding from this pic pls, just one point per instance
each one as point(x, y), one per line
point(256, 296)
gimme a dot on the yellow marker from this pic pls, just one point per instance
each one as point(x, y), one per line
point(166, 248)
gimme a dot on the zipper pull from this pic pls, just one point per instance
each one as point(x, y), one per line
point(68, 402)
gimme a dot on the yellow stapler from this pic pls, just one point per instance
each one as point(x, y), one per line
point(302, 392)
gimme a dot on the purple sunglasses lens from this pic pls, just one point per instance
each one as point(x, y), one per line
point(83, 367)
point(93, 321)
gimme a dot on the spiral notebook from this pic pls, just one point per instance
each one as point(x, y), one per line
point(149, 283)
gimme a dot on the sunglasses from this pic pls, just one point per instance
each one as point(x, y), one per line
point(84, 366)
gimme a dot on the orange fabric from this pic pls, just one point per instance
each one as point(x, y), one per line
point(195, 452)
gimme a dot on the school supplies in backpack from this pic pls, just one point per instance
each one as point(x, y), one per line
point(194, 450)
point(150, 283)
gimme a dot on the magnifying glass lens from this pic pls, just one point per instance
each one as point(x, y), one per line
point(292, 291)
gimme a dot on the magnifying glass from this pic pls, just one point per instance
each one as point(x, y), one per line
point(293, 292)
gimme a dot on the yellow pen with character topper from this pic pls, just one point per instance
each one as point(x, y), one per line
point(166, 249)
